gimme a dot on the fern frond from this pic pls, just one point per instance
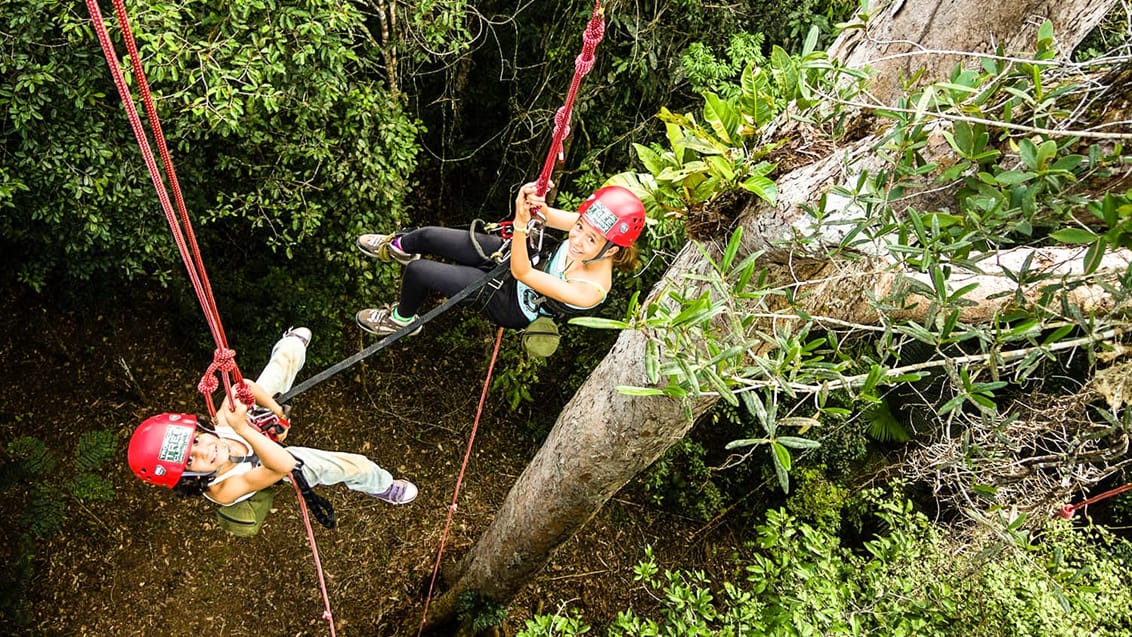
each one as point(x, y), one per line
point(95, 448)
point(88, 486)
point(31, 456)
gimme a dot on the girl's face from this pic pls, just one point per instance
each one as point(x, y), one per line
point(207, 454)
point(585, 243)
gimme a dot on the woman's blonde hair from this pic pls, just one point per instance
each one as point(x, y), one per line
point(627, 258)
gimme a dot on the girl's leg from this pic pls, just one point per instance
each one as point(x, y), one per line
point(287, 358)
point(357, 472)
point(423, 276)
point(451, 243)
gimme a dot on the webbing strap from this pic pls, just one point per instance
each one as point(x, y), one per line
point(395, 336)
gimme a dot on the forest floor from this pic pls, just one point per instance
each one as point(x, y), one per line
point(150, 563)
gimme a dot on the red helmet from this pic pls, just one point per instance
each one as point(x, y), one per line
point(159, 448)
point(616, 213)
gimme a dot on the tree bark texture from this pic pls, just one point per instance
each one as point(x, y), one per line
point(904, 34)
point(602, 439)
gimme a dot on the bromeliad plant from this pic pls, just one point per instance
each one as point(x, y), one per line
point(710, 160)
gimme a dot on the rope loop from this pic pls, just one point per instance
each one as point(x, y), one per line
point(584, 64)
point(224, 359)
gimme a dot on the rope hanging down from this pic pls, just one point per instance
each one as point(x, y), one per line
point(1066, 512)
point(224, 358)
point(584, 63)
point(460, 477)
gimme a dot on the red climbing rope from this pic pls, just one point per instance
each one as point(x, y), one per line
point(224, 358)
point(326, 614)
point(1066, 512)
point(583, 64)
point(460, 478)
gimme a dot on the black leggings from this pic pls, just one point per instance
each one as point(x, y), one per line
point(446, 279)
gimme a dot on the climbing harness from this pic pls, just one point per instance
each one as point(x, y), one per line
point(1066, 512)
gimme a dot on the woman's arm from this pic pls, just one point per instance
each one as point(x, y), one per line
point(262, 398)
point(276, 462)
point(576, 293)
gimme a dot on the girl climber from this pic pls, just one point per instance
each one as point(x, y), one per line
point(230, 463)
point(578, 274)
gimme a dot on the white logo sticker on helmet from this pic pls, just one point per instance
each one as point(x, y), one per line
point(600, 217)
point(175, 443)
point(159, 470)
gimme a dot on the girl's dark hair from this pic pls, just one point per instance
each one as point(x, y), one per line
point(192, 486)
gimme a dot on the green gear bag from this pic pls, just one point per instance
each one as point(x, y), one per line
point(541, 337)
point(244, 518)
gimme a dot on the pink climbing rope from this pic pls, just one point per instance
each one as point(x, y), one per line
point(224, 361)
point(460, 478)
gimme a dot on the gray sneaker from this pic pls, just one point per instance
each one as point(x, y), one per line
point(400, 492)
point(301, 333)
point(381, 247)
point(380, 321)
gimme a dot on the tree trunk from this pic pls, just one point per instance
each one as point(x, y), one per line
point(603, 439)
point(905, 35)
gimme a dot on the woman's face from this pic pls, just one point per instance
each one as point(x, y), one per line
point(207, 454)
point(584, 243)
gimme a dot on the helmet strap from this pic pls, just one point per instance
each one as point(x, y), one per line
point(601, 253)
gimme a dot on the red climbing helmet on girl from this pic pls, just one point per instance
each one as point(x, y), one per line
point(159, 448)
point(616, 213)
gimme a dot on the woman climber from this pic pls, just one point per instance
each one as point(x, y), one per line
point(232, 462)
point(576, 277)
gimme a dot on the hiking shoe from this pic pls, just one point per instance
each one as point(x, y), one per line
point(301, 333)
point(381, 247)
point(380, 321)
point(400, 492)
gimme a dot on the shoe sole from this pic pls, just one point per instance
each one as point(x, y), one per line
point(367, 328)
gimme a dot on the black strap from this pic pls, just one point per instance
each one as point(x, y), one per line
point(319, 506)
point(395, 336)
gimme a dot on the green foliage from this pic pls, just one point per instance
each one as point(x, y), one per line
point(908, 579)
point(704, 161)
point(707, 73)
point(818, 501)
point(478, 611)
point(681, 481)
point(277, 125)
point(553, 626)
point(883, 425)
point(94, 449)
point(32, 464)
point(31, 458)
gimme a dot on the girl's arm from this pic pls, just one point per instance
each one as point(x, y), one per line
point(276, 462)
point(559, 219)
point(262, 398)
point(577, 293)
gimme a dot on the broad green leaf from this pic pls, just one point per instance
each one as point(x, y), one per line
point(1073, 235)
point(629, 390)
point(599, 323)
point(763, 188)
point(794, 442)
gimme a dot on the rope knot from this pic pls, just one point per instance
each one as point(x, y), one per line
point(223, 359)
point(244, 393)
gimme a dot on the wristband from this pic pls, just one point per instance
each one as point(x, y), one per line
point(520, 230)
